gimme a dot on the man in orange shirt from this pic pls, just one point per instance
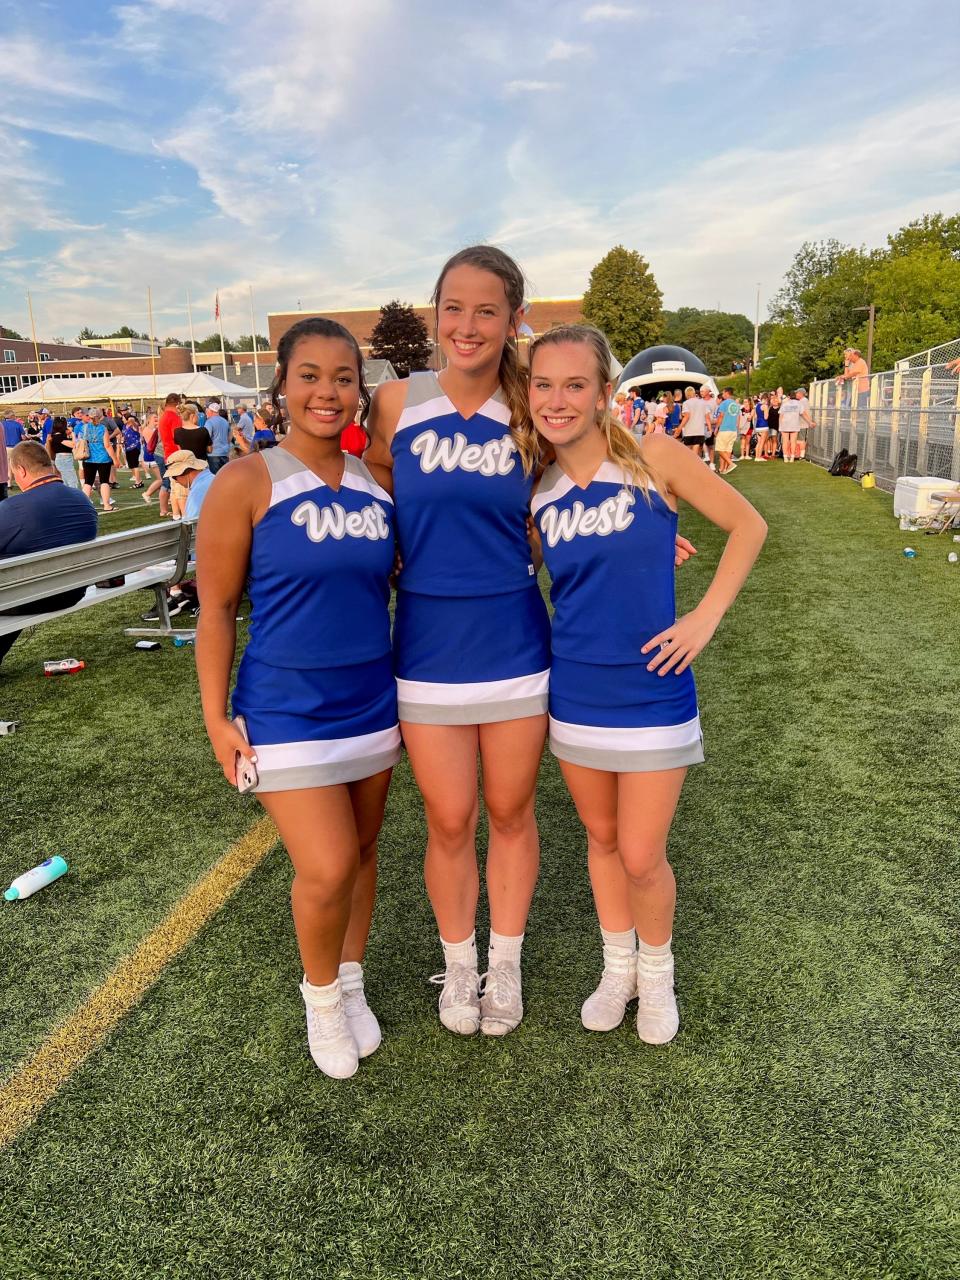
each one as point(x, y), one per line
point(855, 370)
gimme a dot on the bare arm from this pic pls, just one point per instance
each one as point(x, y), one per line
point(686, 477)
point(385, 410)
point(237, 499)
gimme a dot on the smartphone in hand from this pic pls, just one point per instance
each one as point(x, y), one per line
point(244, 768)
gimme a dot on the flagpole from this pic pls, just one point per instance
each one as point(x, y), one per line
point(253, 331)
point(153, 345)
point(223, 350)
point(33, 330)
point(193, 341)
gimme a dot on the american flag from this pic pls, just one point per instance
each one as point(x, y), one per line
point(216, 306)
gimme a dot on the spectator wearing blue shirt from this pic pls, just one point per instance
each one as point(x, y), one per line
point(100, 459)
point(725, 420)
point(219, 430)
point(194, 474)
point(12, 432)
point(46, 425)
point(245, 424)
point(45, 514)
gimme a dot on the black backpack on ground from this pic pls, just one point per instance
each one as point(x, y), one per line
point(844, 464)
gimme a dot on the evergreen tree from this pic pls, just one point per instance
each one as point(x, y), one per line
point(401, 337)
point(623, 300)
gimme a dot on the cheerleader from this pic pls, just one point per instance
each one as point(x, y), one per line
point(310, 534)
point(624, 722)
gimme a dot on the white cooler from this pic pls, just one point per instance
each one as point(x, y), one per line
point(912, 498)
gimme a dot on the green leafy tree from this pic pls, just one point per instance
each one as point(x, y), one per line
point(624, 301)
point(401, 337)
point(917, 295)
point(717, 337)
point(933, 230)
point(245, 342)
point(212, 343)
point(7, 332)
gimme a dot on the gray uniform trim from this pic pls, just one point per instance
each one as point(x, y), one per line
point(280, 464)
point(305, 777)
point(613, 761)
point(474, 712)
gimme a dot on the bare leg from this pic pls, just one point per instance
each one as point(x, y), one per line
point(444, 762)
point(368, 798)
point(645, 809)
point(594, 793)
point(106, 498)
point(510, 754)
point(319, 829)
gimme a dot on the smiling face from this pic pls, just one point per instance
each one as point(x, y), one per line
point(474, 318)
point(322, 386)
point(566, 395)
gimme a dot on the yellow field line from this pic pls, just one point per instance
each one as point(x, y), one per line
point(31, 1086)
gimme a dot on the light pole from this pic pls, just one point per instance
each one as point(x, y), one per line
point(756, 331)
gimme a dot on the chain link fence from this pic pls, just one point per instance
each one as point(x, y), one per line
point(905, 423)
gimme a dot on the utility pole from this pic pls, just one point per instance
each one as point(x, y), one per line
point(756, 331)
point(871, 317)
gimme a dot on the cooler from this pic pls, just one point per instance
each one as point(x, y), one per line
point(913, 496)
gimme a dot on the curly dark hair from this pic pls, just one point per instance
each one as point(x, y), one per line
point(316, 327)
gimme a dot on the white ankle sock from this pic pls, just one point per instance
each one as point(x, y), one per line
point(461, 952)
point(325, 996)
point(503, 949)
point(626, 941)
point(654, 959)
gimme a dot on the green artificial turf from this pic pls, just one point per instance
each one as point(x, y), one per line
point(803, 1123)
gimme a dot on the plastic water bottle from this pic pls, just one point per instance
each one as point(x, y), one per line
point(36, 878)
point(180, 641)
point(63, 667)
point(910, 553)
point(953, 557)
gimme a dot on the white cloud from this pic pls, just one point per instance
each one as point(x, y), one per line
point(609, 12)
point(563, 51)
point(516, 87)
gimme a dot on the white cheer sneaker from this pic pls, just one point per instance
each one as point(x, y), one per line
point(658, 1019)
point(332, 1045)
point(501, 1001)
point(604, 1009)
point(459, 999)
point(361, 1019)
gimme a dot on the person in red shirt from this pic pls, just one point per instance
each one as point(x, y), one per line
point(166, 445)
point(353, 439)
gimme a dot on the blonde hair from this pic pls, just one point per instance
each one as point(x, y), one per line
point(188, 413)
point(622, 446)
point(513, 379)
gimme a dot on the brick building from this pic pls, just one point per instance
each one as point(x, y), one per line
point(18, 362)
point(544, 313)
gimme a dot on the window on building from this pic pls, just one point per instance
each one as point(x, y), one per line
point(45, 355)
point(8, 382)
point(9, 356)
point(28, 379)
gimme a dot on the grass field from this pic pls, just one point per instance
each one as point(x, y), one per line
point(804, 1122)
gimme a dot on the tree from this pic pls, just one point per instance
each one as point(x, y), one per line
point(401, 337)
point(717, 337)
point(7, 332)
point(917, 295)
point(933, 230)
point(245, 342)
point(624, 302)
point(212, 343)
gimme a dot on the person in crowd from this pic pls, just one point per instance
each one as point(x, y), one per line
point(806, 423)
point(674, 402)
point(745, 425)
point(657, 415)
point(151, 463)
point(794, 417)
point(193, 438)
point(60, 450)
point(310, 532)
point(241, 430)
point(100, 461)
point(265, 420)
point(620, 408)
point(710, 439)
point(855, 379)
point(725, 421)
point(761, 409)
point(45, 514)
point(132, 446)
point(245, 423)
point(219, 430)
point(693, 422)
point(624, 722)
point(638, 418)
point(773, 426)
point(46, 425)
point(194, 475)
point(12, 432)
point(167, 423)
point(4, 471)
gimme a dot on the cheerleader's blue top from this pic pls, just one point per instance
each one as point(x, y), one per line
point(610, 556)
point(462, 497)
point(320, 564)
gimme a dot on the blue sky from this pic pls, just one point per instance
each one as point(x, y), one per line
point(336, 152)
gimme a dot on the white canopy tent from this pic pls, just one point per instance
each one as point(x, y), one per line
point(202, 387)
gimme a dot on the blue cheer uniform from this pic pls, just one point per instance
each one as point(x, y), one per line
point(610, 555)
point(471, 637)
point(316, 684)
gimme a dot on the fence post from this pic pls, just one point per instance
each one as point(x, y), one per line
point(854, 422)
point(922, 418)
point(838, 400)
point(955, 460)
point(873, 413)
point(895, 425)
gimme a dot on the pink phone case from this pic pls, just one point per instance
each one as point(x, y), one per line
point(245, 770)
